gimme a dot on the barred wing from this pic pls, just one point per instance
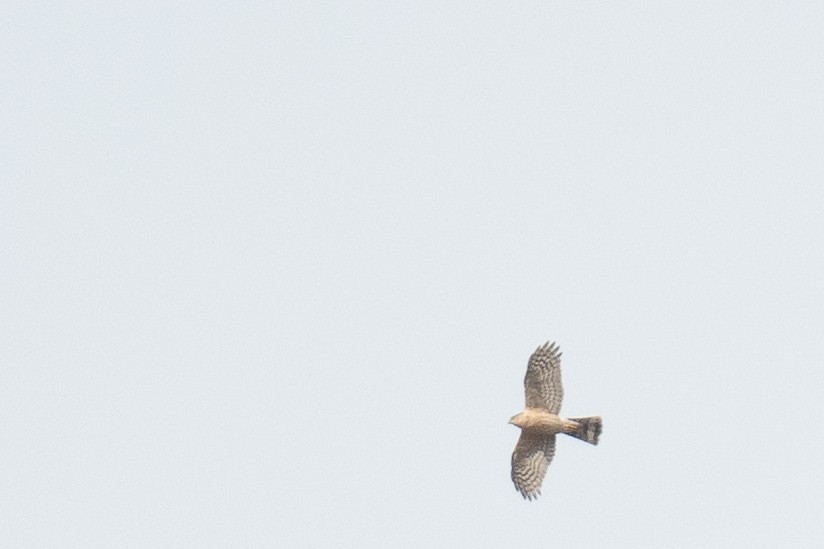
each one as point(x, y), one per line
point(531, 457)
point(543, 379)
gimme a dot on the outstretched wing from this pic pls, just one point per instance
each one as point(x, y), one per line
point(543, 379)
point(531, 457)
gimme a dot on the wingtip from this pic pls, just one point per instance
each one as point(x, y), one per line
point(528, 494)
point(545, 346)
point(548, 346)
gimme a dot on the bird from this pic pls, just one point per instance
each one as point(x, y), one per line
point(540, 422)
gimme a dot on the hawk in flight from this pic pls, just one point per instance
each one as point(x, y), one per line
point(540, 422)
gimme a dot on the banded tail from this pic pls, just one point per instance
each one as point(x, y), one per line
point(589, 428)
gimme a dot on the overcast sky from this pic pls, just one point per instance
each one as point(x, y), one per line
point(270, 273)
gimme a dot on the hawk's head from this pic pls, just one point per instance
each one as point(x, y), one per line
point(517, 419)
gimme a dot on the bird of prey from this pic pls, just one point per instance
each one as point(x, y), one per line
point(540, 422)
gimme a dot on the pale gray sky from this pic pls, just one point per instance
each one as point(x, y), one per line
point(271, 272)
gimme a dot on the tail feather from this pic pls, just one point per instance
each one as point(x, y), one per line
point(589, 428)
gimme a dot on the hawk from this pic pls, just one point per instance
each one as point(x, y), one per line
point(540, 422)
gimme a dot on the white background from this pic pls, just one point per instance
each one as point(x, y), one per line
point(270, 273)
